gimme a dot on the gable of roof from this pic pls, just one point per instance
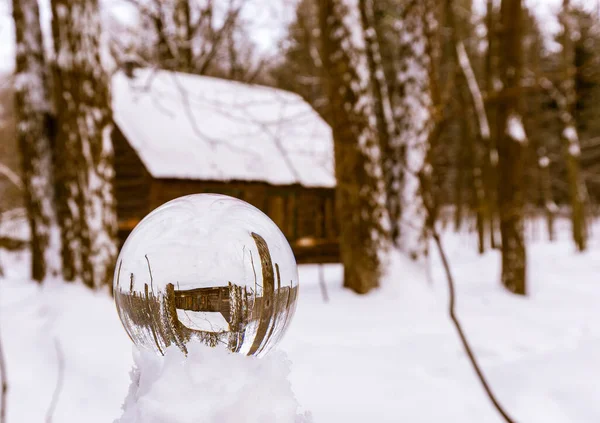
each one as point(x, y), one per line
point(196, 127)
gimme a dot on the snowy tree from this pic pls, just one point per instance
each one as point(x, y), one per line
point(569, 136)
point(511, 143)
point(359, 191)
point(408, 40)
point(389, 140)
point(84, 151)
point(32, 108)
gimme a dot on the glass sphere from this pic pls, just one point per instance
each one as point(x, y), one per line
point(206, 268)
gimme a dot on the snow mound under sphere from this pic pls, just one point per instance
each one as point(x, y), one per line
point(210, 386)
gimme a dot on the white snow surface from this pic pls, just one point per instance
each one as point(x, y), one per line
point(198, 127)
point(389, 356)
point(211, 386)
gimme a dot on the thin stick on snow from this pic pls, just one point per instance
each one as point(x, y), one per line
point(431, 219)
point(461, 333)
point(4, 385)
point(59, 381)
point(1, 269)
point(322, 284)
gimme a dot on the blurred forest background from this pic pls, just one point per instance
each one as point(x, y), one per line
point(470, 113)
point(466, 116)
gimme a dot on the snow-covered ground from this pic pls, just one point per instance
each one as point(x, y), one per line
point(390, 356)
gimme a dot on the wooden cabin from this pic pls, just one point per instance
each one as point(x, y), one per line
point(178, 134)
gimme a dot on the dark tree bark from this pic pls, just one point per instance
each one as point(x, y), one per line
point(511, 141)
point(166, 56)
point(569, 135)
point(490, 163)
point(550, 207)
point(184, 34)
point(359, 193)
point(83, 144)
point(32, 107)
point(459, 201)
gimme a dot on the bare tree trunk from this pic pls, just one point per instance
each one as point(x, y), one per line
point(550, 206)
point(165, 53)
point(359, 192)
point(83, 144)
point(183, 30)
point(32, 107)
point(459, 183)
point(569, 136)
point(232, 58)
point(490, 168)
point(511, 140)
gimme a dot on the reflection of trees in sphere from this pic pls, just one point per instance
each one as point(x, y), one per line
point(206, 268)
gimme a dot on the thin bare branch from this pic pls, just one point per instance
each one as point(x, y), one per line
point(322, 284)
point(11, 175)
point(59, 381)
point(3, 393)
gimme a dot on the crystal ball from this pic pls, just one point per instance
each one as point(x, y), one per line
point(207, 269)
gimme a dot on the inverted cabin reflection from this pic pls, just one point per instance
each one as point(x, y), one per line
point(161, 318)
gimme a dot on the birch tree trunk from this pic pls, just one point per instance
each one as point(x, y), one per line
point(569, 135)
point(360, 197)
point(83, 144)
point(32, 108)
point(511, 142)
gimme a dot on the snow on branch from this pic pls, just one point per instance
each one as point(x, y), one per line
point(515, 129)
point(467, 70)
point(11, 175)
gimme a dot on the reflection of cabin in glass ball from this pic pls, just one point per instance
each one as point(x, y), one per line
point(246, 318)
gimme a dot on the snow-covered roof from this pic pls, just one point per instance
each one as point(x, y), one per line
point(197, 127)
